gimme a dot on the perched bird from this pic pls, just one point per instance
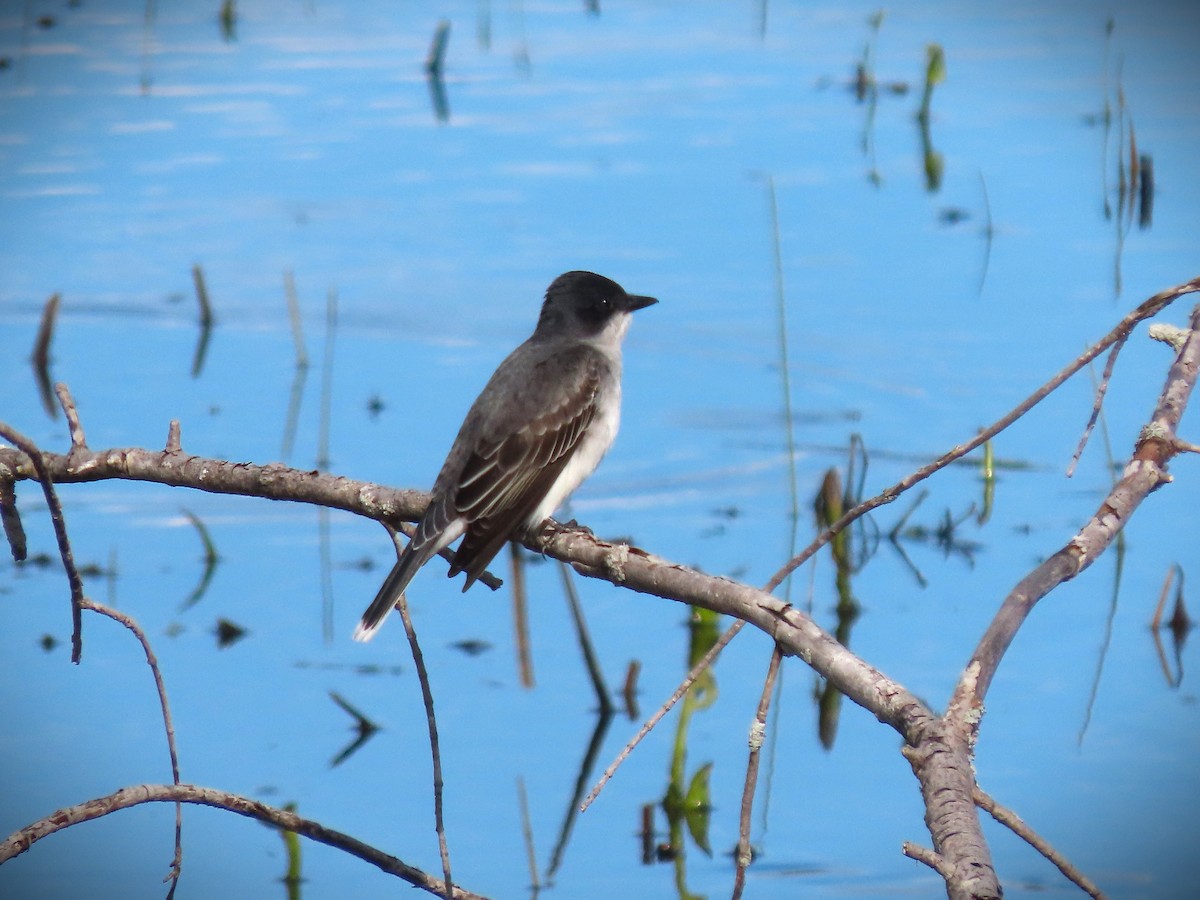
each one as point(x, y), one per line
point(538, 429)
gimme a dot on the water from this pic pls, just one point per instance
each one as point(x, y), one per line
point(642, 143)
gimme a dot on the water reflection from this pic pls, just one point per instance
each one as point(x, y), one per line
point(139, 142)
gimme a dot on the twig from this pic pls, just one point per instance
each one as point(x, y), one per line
point(1146, 310)
point(1145, 472)
point(78, 440)
point(14, 531)
point(757, 733)
point(1017, 826)
point(930, 858)
point(1101, 389)
point(31, 451)
point(796, 633)
point(168, 724)
point(20, 841)
point(688, 681)
point(434, 747)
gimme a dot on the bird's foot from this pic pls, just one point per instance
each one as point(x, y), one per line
point(576, 527)
point(550, 529)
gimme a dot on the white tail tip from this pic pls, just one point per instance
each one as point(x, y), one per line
point(364, 632)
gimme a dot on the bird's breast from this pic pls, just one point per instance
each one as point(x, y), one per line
point(592, 446)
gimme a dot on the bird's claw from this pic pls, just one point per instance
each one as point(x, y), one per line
point(551, 529)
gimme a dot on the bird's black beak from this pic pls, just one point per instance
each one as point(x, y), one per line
point(634, 302)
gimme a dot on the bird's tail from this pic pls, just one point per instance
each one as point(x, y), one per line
point(391, 590)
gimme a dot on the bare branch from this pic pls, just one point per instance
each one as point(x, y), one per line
point(939, 749)
point(20, 841)
point(78, 441)
point(1101, 390)
point(37, 460)
point(434, 745)
point(684, 686)
point(168, 723)
point(1146, 310)
point(758, 729)
point(10, 516)
point(1017, 825)
point(928, 857)
point(1146, 471)
point(273, 481)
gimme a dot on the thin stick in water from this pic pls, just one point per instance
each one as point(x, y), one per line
point(434, 748)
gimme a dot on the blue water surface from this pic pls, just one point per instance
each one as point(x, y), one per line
point(672, 147)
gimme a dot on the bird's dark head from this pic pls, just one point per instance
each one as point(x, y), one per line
point(587, 305)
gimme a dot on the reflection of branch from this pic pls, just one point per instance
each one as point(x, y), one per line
point(206, 320)
point(297, 392)
point(211, 558)
point(591, 663)
point(535, 880)
point(935, 73)
point(520, 616)
point(1179, 624)
point(989, 234)
point(586, 765)
point(364, 727)
point(40, 358)
point(434, 64)
point(22, 840)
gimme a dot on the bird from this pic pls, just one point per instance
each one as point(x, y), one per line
point(540, 426)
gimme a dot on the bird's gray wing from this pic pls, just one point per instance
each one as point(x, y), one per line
point(508, 475)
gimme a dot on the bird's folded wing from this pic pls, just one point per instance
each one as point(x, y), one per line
point(505, 479)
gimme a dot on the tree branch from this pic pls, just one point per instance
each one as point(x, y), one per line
point(938, 748)
point(20, 841)
point(1146, 471)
